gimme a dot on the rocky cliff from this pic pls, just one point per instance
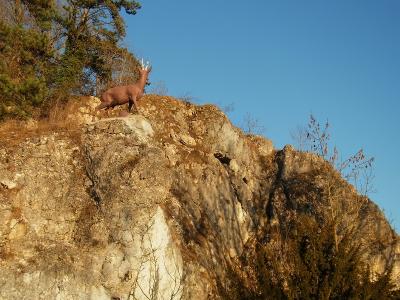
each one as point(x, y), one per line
point(158, 205)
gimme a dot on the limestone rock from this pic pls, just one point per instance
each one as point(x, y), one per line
point(150, 206)
point(8, 184)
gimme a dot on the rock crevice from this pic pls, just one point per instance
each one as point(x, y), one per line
point(153, 206)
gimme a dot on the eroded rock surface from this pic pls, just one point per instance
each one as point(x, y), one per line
point(150, 206)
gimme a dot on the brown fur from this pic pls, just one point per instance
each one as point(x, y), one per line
point(122, 94)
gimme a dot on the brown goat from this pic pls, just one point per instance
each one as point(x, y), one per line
point(122, 94)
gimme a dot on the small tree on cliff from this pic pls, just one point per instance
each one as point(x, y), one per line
point(91, 34)
point(26, 56)
point(307, 265)
point(62, 47)
point(357, 168)
point(320, 269)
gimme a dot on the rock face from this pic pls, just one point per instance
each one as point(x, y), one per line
point(153, 206)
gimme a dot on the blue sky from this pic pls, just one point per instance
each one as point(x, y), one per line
point(281, 60)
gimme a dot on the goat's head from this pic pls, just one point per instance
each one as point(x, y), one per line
point(145, 68)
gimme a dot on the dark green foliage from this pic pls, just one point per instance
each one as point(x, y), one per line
point(24, 67)
point(92, 31)
point(52, 49)
point(44, 12)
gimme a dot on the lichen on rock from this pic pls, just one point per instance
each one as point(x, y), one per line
point(153, 206)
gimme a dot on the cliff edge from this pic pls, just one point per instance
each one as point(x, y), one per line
point(161, 205)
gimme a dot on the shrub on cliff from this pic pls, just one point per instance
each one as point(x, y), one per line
point(50, 50)
point(24, 65)
point(314, 269)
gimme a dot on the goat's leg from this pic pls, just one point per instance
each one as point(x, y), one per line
point(136, 104)
point(132, 101)
point(102, 105)
point(107, 110)
point(106, 107)
point(106, 103)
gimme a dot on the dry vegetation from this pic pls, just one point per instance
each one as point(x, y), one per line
point(60, 122)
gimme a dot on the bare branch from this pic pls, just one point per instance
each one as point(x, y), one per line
point(357, 169)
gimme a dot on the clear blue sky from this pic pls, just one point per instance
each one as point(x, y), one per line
point(282, 60)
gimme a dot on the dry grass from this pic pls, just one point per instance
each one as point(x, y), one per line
point(14, 132)
point(61, 120)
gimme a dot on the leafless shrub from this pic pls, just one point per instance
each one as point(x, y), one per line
point(159, 88)
point(251, 125)
point(357, 169)
point(299, 136)
point(228, 108)
point(187, 97)
point(150, 262)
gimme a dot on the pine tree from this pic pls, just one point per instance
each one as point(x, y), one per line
point(25, 56)
point(92, 31)
point(51, 49)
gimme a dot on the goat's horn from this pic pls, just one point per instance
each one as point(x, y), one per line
point(142, 63)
